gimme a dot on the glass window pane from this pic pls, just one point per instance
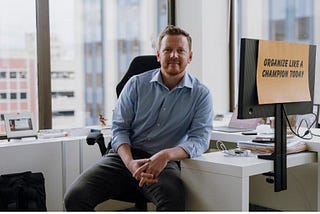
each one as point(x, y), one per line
point(94, 41)
point(280, 20)
point(18, 70)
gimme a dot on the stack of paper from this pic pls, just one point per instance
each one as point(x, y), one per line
point(52, 133)
point(293, 146)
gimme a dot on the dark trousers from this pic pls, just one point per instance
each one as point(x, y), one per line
point(110, 179)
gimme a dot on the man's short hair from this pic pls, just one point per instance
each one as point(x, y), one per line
point(173, 30)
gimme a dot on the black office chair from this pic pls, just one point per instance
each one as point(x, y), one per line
point(138, 65)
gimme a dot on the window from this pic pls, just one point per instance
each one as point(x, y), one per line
point(18, 56)
point(65, 94)
point(3, 75)
point(86, 58)
point(13, 96)
point(291, 20)
point(22, 74)
point(23, 95)
point(280, 20)
point(63, 113)
point(62, 75)
point(13, 75)
point(92, 44)
point(3, 96)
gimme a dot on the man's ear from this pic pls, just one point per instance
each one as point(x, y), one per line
point(190, 56)
point(158, 56)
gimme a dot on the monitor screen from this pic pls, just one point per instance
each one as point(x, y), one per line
point(248, 105)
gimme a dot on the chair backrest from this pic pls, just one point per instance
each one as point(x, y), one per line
point(139, 64)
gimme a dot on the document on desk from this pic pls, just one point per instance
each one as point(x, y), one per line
point(51, 133)
point(293, 146)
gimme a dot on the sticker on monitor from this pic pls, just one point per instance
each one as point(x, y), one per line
point(20, 125)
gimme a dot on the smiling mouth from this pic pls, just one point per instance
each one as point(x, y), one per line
point(174, 65)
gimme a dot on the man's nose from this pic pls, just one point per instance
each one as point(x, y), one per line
point(174, 54)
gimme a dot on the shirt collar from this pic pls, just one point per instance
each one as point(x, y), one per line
point(185, 82)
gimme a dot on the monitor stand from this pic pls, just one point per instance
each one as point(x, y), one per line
point(279, 156)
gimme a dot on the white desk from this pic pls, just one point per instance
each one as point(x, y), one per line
point(230, 137)
point(313, 144)
point(60, 160)
point(216, 182)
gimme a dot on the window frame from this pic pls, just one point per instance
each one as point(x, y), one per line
point(44, 67)
point(44, 57)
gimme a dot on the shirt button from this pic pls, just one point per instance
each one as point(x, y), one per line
point(158, 124)
point(164, 109)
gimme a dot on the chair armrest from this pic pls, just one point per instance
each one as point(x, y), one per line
point(97, 137)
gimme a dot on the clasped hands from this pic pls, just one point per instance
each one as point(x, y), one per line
point(147, 170)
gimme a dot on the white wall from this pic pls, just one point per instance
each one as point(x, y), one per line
point(255, 26)
point(207, 22)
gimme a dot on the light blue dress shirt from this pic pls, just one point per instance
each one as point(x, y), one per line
point(150, 117)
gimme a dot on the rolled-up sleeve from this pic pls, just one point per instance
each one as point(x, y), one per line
point(198, 137)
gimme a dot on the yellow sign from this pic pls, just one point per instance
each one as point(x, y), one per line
point(282, 72)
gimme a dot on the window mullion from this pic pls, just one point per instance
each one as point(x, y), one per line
point(44, 68)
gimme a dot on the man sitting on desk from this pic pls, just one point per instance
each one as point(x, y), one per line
point(162, 116)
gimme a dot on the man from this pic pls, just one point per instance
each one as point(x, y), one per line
point(162, 116)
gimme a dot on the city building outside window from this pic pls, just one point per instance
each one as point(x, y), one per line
point(18, 70)
point(92, 43)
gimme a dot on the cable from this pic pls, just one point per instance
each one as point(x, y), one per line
point(222, 148)
point(232, 152)
point(307, 132)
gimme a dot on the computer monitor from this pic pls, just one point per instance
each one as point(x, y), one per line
point(249, 107)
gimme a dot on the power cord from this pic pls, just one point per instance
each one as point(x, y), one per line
point(307, 135)
point(232, 152)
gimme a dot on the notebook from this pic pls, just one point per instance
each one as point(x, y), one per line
point(239, 125)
